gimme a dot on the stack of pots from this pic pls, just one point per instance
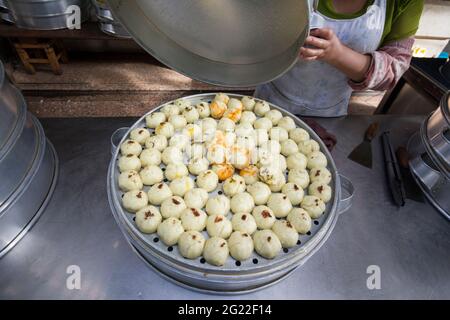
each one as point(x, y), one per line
point(430, 157)
point(43, 14)
point(107, 23)
point(28, 166)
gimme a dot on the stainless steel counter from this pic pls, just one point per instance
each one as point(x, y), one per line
point(410, 245)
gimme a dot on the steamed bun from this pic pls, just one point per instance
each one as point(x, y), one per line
point(148, 219)
point(266, 243)
point(170, 230)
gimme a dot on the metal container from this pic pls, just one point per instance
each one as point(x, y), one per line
point(436, 133)
point(229, 43)
point(45, 14)
point(107, 23)
point(104, 15)
point(7, 17)
point(15, 164)
point(19, 213)
point(434, 185)
point(18, 138)
point(12, 113)
point(234, 277)
point(114, 29)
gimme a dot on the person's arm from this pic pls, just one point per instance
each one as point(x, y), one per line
point(388, 65)
point(325, 45)
point(379, 70)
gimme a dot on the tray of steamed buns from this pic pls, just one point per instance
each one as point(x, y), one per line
point(223, 182)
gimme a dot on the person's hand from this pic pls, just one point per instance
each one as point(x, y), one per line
point(323, 44)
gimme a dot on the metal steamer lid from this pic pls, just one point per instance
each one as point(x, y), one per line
point(197, 268)
point(231, 43)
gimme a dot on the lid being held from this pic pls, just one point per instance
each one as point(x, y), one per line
point(230, 43)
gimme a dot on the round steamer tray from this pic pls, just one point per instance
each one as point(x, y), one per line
point(233, 277)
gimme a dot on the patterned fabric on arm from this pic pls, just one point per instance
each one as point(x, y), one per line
point(388, 65)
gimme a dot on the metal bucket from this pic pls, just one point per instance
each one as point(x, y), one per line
point(19, 213)
point(229, 43)
point(232, 278)
point(45, 14)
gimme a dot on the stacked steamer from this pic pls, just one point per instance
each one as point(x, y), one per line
point(430, 157)
point(28, 166)
point(45, 14)
point(107, 23)
point(224, 193)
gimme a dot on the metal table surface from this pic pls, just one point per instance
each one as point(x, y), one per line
point(411, 245)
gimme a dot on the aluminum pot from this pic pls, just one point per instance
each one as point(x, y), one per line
point(19, 213)
point(33, 8)
point(229, 43)
point(234, 277)
point(45, 14)
point(436, 133)
point(12, 113)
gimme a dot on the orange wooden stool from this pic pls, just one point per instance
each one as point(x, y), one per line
point(50, 52)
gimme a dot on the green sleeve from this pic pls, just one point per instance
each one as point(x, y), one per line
point(402, 19)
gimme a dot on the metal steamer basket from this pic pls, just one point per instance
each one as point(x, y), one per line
point(45, 14)
point(23, 208)
point(28, 166)
point(235, 276)
point(12, 113)
point(435, 131)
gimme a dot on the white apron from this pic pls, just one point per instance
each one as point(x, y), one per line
point(315, 88)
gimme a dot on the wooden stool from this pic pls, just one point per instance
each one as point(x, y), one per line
point(41, 52)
